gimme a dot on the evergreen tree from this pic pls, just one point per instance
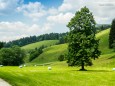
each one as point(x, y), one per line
point(112, 34)
point(82, 43)
point(1, 45)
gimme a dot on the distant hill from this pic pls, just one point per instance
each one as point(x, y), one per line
point(32, 39)
point(39, 44)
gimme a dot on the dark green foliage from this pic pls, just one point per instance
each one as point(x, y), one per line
point(100, 27)
point(1, 45)
point(33, 39)
point(35, 53)
point(61, 58)
point(112, 34)
point(82, 42)
point(11, 56)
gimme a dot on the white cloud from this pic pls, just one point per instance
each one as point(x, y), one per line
point(33, 10)
point(71, 5)
point(103, 11)
point(50, 19)
point(53, 11)
point(14, 30)
point(9, 6)
point(61, 18)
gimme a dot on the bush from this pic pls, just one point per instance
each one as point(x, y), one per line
point(61, 58)
point(11, 56)
point(35, 53)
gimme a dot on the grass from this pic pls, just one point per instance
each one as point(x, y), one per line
point(51, 54)
point(39, 44)
point(100, 74)
point(104, 41)
point(62, 75)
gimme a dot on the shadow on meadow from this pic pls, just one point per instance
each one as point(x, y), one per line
point(93, 71)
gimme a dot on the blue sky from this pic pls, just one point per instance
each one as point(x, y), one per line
point(47, 3)
point(22, 18)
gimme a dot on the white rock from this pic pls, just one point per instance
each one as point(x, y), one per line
point(113, 69)
point(49, 68)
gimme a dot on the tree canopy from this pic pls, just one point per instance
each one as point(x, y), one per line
point(11, 56)
point(82, 42)
point(112, 34)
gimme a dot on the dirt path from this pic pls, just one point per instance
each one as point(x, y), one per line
point(4, 83)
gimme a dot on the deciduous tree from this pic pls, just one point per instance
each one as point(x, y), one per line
point(82, 42)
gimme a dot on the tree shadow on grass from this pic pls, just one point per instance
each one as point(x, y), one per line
point(99, 71)
point(94, 71)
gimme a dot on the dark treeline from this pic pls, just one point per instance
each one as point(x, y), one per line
point(36, 52)
point(51, 36)
point(33, 39)
point(100, 27)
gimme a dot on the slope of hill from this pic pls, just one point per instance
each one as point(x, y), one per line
point(38, 44)
point(103, 36)
point(100, 74)
point(51, 54)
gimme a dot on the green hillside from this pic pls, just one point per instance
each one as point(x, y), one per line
point(104, 41)
point(51, 54)
point(38, 44)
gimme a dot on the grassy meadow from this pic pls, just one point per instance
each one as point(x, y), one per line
point(100, 74)
point(51, 54)
point(41, 43)
point(61, 75)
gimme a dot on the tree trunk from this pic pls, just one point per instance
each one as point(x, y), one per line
point(82, 66)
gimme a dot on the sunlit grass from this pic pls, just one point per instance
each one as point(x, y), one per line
point(100, 74)
point(39, 44)
point(60, 75)
point(51, 54)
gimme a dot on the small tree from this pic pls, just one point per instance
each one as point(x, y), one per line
point(61, 58)
point(82, 42)
point(112, 34)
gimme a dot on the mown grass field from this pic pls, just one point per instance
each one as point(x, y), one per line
point(100, 74)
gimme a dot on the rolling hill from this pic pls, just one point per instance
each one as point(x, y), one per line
point(38, 44)
point(103, 36)
point(51, 54)
point(100, 74)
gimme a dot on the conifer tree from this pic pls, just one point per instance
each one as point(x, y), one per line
point(112, 34)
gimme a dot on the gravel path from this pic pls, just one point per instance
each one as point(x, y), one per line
point(4, 83)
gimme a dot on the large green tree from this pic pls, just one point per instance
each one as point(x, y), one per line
point(82, 42)
point(112, 34)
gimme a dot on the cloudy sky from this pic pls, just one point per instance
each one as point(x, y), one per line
point(21, 18)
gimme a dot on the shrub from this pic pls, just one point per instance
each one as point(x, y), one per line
point(11, 56)
point(61, 58)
